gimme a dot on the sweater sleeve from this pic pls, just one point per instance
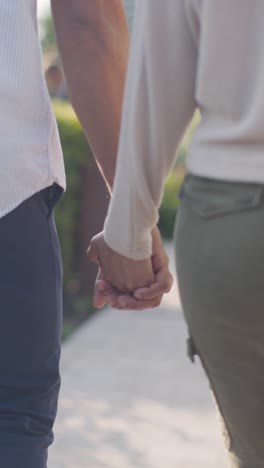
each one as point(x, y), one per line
point(158, 105)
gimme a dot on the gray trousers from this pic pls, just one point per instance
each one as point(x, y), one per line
point(219, 238)
point(30, 330)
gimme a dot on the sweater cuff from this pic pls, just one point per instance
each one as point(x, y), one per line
point(120, 241)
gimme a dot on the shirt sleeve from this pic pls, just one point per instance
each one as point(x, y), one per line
point(158, 105)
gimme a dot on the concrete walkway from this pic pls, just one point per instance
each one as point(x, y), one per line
point(131, 399)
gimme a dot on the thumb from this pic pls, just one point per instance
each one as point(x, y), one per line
point(92, 253)
point(102, 290)
point(157, 262)
point(99, 298)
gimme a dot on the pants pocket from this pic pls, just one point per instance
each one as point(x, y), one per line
point(210, 198)
point(49, 197)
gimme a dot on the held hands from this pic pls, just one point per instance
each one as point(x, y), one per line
point(124, 283)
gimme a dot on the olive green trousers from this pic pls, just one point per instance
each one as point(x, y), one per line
point(219, 236)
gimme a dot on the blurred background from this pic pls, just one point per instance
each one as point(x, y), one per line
point(130, 398)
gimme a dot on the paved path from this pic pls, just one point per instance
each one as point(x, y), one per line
point(131, 399)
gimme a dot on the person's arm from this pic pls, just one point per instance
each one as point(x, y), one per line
point(93, 40)
point(158, 105)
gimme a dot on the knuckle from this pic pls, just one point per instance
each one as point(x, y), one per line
point(168, 283)
point(130, 286)
point(167, 260)
point(157, 302)
point(140, 305)
point(162, 287)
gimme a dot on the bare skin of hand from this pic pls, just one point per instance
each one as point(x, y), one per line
point(143, 298)
point(125, 274)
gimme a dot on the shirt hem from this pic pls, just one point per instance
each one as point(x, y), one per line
point(32, 192)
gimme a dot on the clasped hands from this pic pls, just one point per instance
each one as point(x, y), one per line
point(124, 283)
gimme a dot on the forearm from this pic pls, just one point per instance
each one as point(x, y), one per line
point(93, 41)
point(158, 105)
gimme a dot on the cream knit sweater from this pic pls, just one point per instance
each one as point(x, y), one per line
point(187, 54)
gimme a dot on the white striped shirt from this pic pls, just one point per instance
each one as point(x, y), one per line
point(30, 151)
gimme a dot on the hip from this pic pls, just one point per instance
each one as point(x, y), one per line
point(219, 237)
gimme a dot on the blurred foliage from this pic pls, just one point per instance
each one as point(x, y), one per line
point(76, 155)
point(170, 202)
point(48, 36)
point(182, 150)
point(67, 214)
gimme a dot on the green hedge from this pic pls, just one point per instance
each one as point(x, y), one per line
point(169, 206)
point(76, 154)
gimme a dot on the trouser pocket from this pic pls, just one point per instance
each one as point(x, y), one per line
point(49, 197)
point(209, 198)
